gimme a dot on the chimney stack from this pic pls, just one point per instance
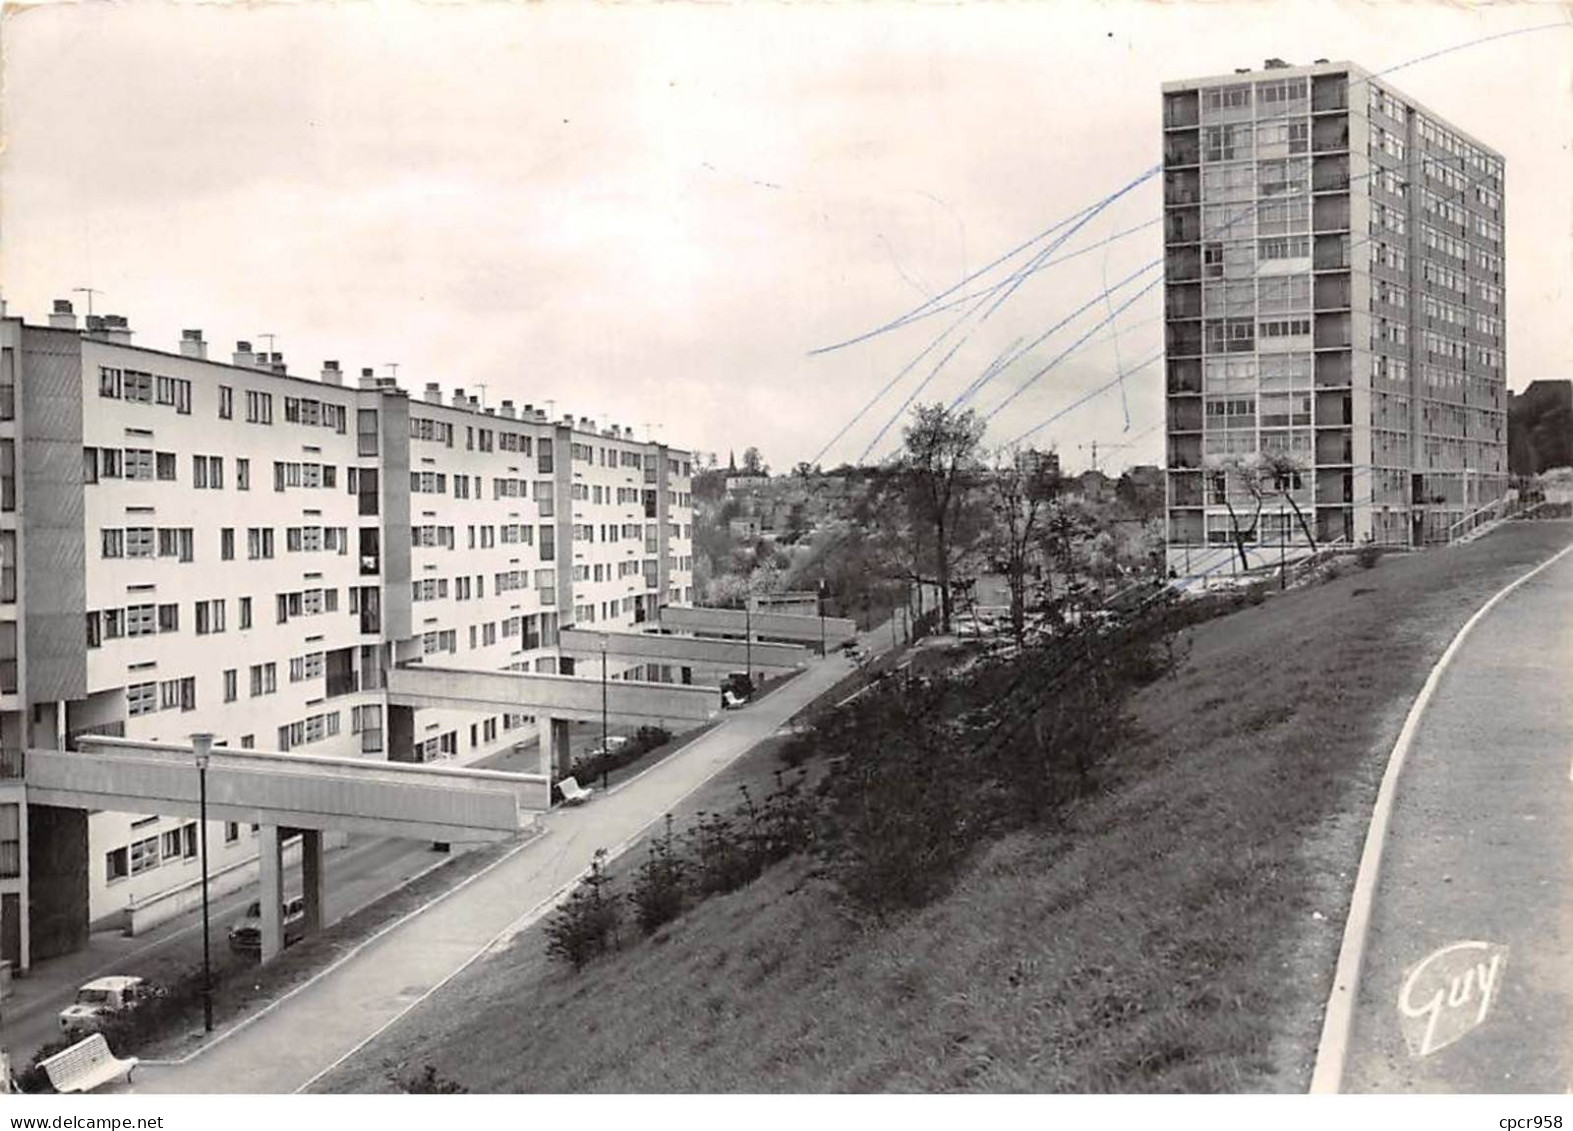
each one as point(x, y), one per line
point(331, 375)
point(507, 410)
point(368, 379)
point(433, 393)
point(62, 317)
point(278, 364)
point(459, 399)
point(192, 345)
point(116, 329)
point(243, 355)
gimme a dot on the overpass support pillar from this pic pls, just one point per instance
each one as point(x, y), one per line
point(555, 751)
point(313, 878)
point(271, 894)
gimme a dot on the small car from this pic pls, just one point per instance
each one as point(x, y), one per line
point(246, 935)
point(103, 999)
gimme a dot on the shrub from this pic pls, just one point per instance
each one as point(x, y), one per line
point(658, 891)
point(1332, 571)
point(721, 858)
point(430, 1082)
point(585, 770)
point(585, 927)
point(34, 1079)
point(1368, 555)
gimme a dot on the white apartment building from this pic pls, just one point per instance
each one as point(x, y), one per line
point(199, 545)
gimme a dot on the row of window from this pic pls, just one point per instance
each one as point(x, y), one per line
point(150, 619)
point(313, 728)
point(164, 695)
point(309, 411)
point(207, 472)
point(144, 388)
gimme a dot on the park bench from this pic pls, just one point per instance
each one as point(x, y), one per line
point(573, 792)
point(86, 1065)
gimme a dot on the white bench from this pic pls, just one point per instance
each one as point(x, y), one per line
point(86, 1065)
point(573, 792)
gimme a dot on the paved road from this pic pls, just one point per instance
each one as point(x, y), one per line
point(1480, 852)
point(285, 1049)
point(362, 871)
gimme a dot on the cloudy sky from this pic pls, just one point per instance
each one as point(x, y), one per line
point(651, 215)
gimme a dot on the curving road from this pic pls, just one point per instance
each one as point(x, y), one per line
point(1467, 984)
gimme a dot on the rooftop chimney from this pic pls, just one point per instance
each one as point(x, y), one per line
point(507, 410)
point(192, 345)
point(243, 355)
point(62, 317)
point(368, 380)
point(387, 383)
point(331, 375)
point(474, 404)
point(278, 364)
point(95, 327)
point(116, 330)
point(433, 393)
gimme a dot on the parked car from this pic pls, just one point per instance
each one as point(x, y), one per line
point(104, 999)
point(246, 935)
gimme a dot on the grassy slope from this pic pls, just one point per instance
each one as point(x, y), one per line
point(1177, 932)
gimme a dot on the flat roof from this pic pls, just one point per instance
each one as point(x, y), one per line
point(1356, 72)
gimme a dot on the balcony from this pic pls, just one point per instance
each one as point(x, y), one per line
point(1330, 253)
point(1330, 173)
point(1182, 149)
point(1332, 292)
point(1181, 109)
point(1182, 225)
point(1330, 214)
point(13, 764)
point(1183, 339)
point(1185, 375)
point(1183, 301)
point(1330, 135)
point(1182, 186)
point(1183, 264)
point(1185, 489)
point(1332, 331)
point(1329, 93)
point(1185, 414)
point(1334, 370)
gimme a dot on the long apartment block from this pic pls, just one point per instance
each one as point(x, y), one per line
point(1334, 294)
point(189, 544)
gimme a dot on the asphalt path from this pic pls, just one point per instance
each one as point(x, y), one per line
point(1467, 984)
point(316, 1027)
point(362, 871)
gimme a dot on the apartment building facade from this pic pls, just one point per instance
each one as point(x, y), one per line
point(1335, 314)
point(195, 545)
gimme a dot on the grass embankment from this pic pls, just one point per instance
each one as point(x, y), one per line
point(1175, 931)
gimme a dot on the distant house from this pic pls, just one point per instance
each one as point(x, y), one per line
point(746, 526)
point(1095, 486)
point(1032, 462)
point(743, 481)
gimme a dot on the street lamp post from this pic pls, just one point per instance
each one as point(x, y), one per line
point(202, 747)
point(822, 649)
point(748, 637)
point(606, 749)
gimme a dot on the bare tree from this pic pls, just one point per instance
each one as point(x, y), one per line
point(1280, 474)
point(1020, 492)
point(1223, 479)
point(939, 464)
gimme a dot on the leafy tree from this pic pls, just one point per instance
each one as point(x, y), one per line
point(939, 465)
point(753, 462)
point(1019, 495)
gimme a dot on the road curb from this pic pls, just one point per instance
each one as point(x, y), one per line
point(1338, 1019)
point(246, 1022)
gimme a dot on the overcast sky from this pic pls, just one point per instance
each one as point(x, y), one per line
point(650, 215)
